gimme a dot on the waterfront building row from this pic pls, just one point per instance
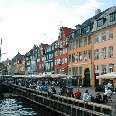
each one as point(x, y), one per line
point(84, 52)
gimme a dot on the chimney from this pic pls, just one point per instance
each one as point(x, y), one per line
point(97, 11)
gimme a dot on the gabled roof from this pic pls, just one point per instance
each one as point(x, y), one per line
point(108, 11)
point(67, 31)
point(17, 57)
point(89, 21)
point(44, 45)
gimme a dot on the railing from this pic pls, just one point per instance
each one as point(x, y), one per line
point(64, 105)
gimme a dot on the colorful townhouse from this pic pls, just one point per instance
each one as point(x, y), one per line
point(7, 67)
point(61, 51)
point(30, 60)
point(41, 58)
point(104, 44)
point(80, 53)
point(49, 59)
point(3, 68)
point(18, 65)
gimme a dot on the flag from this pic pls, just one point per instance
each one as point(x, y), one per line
point(1, 41)
point(0, 53)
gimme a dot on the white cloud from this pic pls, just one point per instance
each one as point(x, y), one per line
point(24, 22)
point(88, 6)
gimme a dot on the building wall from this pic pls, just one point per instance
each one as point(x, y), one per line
point(61, 51)
point(49, 59)
point(41, 58)
point(30, 60)
point(84, 64)
point(109, 42)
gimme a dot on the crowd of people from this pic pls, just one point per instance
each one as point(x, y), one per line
point(99, 96)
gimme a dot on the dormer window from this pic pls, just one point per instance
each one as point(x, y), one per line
point(86, 29)
point(60, 35)
point(100, 22)
point(113, 17)
point(79, 31)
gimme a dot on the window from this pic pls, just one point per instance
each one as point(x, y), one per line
point(66, 42)
point(113, 17)
point(89, 40)
point(58, 61)
point(55, 62)
point(110, 34)
point(65, 61)
point(104, 52)
point(38, 60)
point(80, 56)
point(76, 57)
point(76, 71)
point(85, 55)
point(70, 59)
point(103, 69)
point(55, 45)
point(69, 71)
point(80, 71)
point(111, 68)
point(60, 44)
point(42, 58)
point(52, 65)
point(61, 61)
point(110, 52)
point(103, 36)
point(77, 43)
point(60, 35)
point(97, 68)
point(73, 57)
point(73, 46)
point(89, 54)
point(96, 40)
point(100, 22)
point(61, 52)
point(73, 70)
point(85, 41)
point(80, 42)
point(96, 54)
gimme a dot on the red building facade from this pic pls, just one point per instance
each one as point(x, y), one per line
point(40, 59)
point(61, 50)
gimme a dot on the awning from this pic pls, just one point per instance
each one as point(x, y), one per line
point(111, 75)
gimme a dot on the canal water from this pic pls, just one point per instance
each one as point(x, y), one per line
point(20, 107)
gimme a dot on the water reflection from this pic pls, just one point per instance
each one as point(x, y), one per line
point(14, 107)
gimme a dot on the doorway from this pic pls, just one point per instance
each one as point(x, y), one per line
point(87, 77)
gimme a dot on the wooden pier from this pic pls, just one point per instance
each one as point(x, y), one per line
point(64, 105)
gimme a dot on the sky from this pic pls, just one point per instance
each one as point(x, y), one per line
point(24, 23)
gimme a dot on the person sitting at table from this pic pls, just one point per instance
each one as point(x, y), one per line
point(78, 94)
point(70, 92)
point(98, 98)
point(44, 87)
point(86, 96)
point(107, 95)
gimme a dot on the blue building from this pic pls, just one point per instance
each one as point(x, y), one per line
point(49, 59)
point(30, 60)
